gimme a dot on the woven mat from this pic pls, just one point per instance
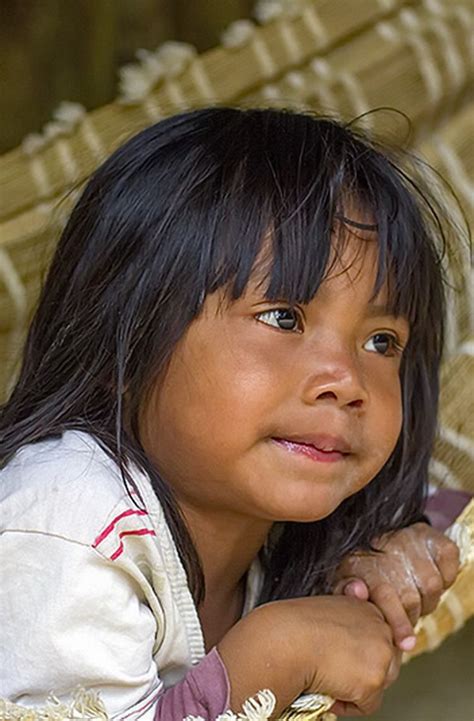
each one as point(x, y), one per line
point(413, 56)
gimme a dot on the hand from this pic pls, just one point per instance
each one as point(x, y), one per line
point(406, 580)
point(349, 651)
point(338, 646)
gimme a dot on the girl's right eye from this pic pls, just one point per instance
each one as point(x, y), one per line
point(281, 318)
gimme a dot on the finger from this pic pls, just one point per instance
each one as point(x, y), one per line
point(368, 706)
point(371, 703)
point(345, 708)
point(387, 600)
point(411, 601)
point(432, 589)
point(355, 587)
point(428, 580)
point(394, 669)
point(445, 554)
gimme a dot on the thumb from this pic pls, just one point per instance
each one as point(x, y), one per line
point(354, 587)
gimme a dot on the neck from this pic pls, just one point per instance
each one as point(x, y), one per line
point(227, 544)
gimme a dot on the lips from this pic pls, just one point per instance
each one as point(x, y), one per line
point(320, 447)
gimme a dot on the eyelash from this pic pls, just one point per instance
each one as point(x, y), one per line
point(396, 348)
point(273, 311)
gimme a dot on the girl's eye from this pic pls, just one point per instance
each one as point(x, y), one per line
point(282, 318)
point(384, 344)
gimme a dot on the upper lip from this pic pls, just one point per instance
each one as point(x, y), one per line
point(321, 441)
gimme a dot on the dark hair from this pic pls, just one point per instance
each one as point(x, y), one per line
point(176, 213)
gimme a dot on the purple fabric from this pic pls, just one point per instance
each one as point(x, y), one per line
point(204, 691)
point(444, 505)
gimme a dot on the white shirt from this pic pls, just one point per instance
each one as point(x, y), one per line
point(92, 592)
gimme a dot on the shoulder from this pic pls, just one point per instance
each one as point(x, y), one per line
point(66, 486)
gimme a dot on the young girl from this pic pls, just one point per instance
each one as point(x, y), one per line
point(229, 385)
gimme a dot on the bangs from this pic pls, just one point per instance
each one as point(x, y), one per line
point(286, 206)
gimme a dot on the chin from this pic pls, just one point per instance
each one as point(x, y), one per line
point(305, 517)
point(305, 511)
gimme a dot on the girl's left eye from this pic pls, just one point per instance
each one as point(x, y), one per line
point(384, 344)
point(281, 318)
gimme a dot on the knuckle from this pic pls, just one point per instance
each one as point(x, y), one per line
point(376, 673)
point(375, 680)
point(420, 527)
point(434, 585)
point(411, 601)
point(450, 552)
point(384, 592)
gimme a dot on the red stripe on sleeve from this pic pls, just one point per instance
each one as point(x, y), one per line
point(114, 522)
point(139, 532)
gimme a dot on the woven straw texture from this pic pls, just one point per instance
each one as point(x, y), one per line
point(415, 56)
point(457, 604)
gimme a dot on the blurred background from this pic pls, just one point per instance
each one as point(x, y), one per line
point(56, 50)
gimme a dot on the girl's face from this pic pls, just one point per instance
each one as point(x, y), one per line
point(281, 413)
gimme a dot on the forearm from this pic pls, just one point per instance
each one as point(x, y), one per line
point(245, 662)
point(256, 658)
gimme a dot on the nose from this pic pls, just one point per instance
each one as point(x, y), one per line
point(336, 380)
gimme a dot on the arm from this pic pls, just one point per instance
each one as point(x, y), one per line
point(70, 618)
point(340, 647)
point(257, 658)
point(204, 692)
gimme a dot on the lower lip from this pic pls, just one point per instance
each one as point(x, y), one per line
point(314, 454)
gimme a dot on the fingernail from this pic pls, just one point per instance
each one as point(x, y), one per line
point(408, 643)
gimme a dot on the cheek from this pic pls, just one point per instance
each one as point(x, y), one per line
point(394, 418)
point(387, 416)
point(215, 401)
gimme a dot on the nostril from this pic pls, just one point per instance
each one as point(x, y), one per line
point(327, 394)
point(356, 404)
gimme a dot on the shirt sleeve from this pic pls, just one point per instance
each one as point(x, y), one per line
point(71, 618)
point(204, 692)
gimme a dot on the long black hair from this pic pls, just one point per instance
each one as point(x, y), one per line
point(181, 210)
